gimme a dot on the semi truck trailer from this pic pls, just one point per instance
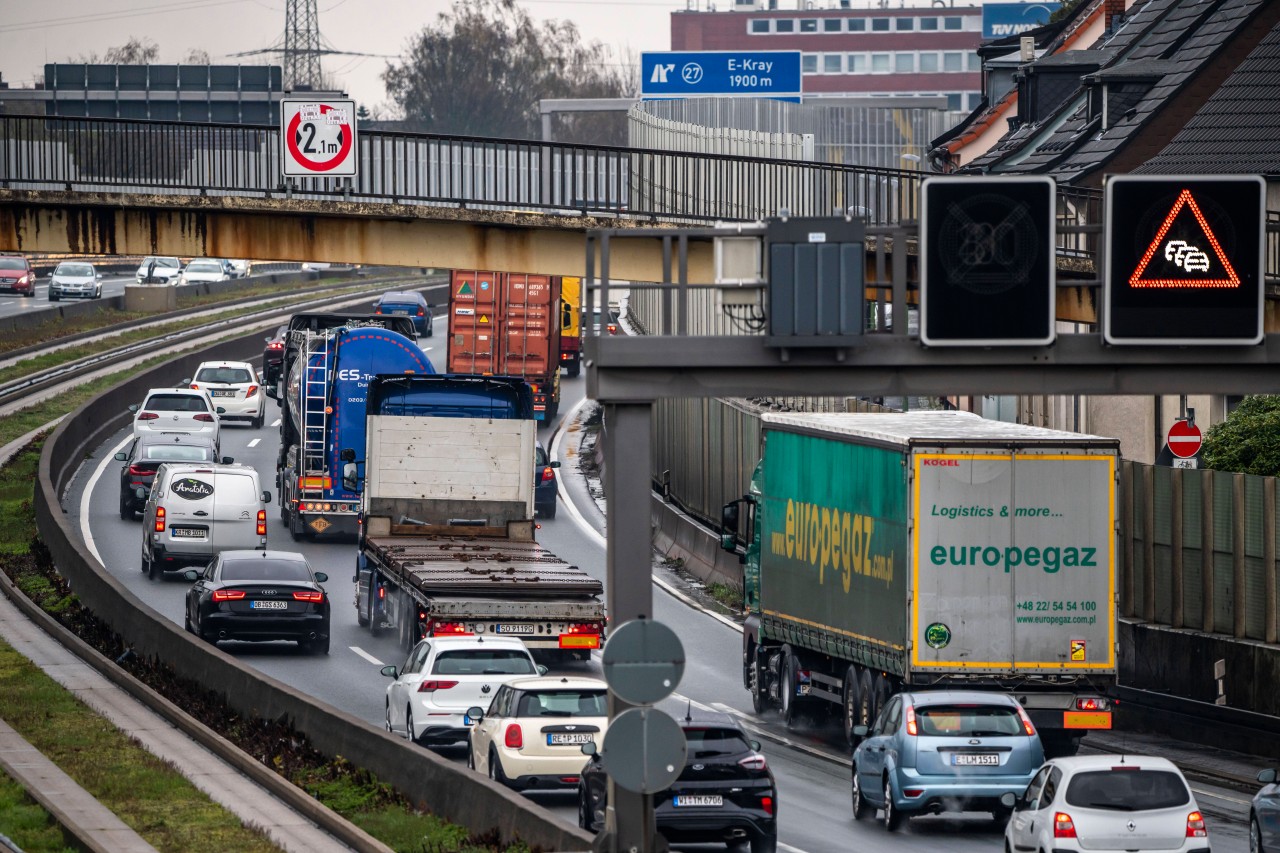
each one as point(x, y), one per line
point(935, 549)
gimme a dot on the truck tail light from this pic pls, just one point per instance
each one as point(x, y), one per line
point(1026, 721)
point(1195, 826)
point(912, 728)
point(1092, 703)
point(456, 628)
point(513, 737)
point(204, 417)
point(548, 474)
point(148, 416)
point(755, 761)
point(159, 528)
point(228, 594)
point(315, 597)
point(1063, 826)
point(262, 522)
point(434, 684)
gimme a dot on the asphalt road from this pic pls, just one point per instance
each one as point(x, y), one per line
point(12, 303)
point(813, 785)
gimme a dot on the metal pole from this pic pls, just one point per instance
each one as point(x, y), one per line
point(629, 823)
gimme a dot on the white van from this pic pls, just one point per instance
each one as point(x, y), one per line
point(196, 510)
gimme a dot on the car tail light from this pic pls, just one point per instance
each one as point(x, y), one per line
point(613, 328)
point(514, 737)
point(317, 597)
point(1063, 826)
point(912, 728)
point(912, 792)
point(159, 519)
point(754, 761)
point(228, 594)
point(1026, 722)
point(204, 417)
point(195, 387)
point(569, 780)
point(137, 471)
point(377, 310)
point(276, 345)
point(1195, 826)
point(1091, 703)
point(421, 313)
point(766, 803)
point(262, 522)
point(548, 474)
point(434, 684)
point(147, 416)
point(253, 389)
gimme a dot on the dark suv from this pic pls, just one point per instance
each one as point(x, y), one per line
point(725, 793)
point(144, 457)
point(544, 482)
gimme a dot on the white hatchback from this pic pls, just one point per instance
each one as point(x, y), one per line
point(234, 387)
point(444, 676)
point(1107, 804)
point(203, 270)
point(177, 410)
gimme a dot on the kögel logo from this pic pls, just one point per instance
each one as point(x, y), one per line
point(942, 463)
point(192, 489)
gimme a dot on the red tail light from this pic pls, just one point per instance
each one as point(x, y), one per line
point(377, 310)
point(262, 526)
point(548, 474)
point(755, 761)
point(159, 519)
point(195, 387)
point(382, 592)
point(514, 737)
point(1063, 826)
point(138, 471)
point(1026, 722)
point(912, 728)
point(1195, 826)
point(276, 345)
point(435, 684)
point(204, 417)
point(766, 803)
point(450, 628)
point(148, 416)
point(228, 594)
point(421, 313)
point(613, 328)
point(317, 597)
point(253, 389)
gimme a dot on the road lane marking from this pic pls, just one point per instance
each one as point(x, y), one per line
point(1218, 796)
point(254, 443)
point(370, 658)
point(749, 723)
point(276, 422)
point(85, 533)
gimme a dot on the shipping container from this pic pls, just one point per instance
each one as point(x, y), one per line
point(571, 325)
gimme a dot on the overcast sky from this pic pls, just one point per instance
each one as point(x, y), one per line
point(33, 32)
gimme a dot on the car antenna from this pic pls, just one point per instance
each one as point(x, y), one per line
point(688, 712)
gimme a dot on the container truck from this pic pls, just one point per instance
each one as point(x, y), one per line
point(571, 325)
point(508, 324)
point(931, 549)
point(447, 544)
point(328, 370)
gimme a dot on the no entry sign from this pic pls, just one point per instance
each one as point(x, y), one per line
point(318, 138)
point(1184, 439)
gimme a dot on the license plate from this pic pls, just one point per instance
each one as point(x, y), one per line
point(398, 311)
point(570, 738)
point(187, 532)
point(703, 800)
point(969, 759)
point(466, 720)
point(513, 629)
point(224, 393)
point(269, 605)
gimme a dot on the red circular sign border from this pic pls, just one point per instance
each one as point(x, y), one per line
point(301, 159)
point(1189, 431)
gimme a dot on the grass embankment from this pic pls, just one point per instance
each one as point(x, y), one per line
point(338, 783)
point(28, 825)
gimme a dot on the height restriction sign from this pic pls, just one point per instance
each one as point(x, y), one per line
point(318, 138)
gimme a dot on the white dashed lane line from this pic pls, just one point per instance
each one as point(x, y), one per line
point(254, 443)
point(370, 658)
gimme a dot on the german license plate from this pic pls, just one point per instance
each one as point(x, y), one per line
point(513, 629)
point(558, 738)
point(187, 532)
point(230, 393)
point(970, 759)
point(399, 311)
point(269, 605)
point(688, 801)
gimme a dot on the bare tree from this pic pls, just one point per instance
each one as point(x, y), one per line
point(136, 51)
point(197, 56)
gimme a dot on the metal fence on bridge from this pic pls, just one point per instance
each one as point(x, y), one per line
point(88, 154)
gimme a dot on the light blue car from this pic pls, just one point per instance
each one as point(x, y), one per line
point(943, 751)
point(1264, 814)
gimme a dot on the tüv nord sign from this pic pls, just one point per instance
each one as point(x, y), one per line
point(1010, 19)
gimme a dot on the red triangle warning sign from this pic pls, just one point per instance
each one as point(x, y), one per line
point(1190, 257)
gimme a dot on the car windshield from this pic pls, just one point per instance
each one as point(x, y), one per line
point(176, 403)
point(227, 375)
point(563, 703)
point(708, 743)
point(969, 721)
point(264, 569)
point(205, 267)
point(539, 455)
point(483, 662)
point(161, 262)
point(12, 264)
point(177, 453)
point(1127, 790)
point(73, 269)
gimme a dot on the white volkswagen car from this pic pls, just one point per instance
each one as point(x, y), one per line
point(203, 270)
point(235, 388)
point(1107, 804)
point(444, 676)
point(177, 410)
point(532, 734)
point(75, 278)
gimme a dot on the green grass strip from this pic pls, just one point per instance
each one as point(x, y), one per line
point(27, 824)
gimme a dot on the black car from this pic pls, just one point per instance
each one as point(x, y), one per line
point(410, 304)
point(259, 595)
point(725, 793)
point(273, 360)
point(147, 452)
point(544, 482)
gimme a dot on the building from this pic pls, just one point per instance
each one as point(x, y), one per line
point(914, 48)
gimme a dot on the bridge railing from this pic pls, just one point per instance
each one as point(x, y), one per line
point(160, 157)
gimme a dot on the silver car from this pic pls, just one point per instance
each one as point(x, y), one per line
point(1264, 815)
point(75, 278)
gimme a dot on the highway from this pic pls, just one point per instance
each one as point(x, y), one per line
point(813, 782)
point(12, 304)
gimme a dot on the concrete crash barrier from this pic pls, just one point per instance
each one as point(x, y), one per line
point(150, 297)
point(427, 780)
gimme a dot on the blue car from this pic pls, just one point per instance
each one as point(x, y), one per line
point(943, 751)
point(1264, 815)
point(410, 304)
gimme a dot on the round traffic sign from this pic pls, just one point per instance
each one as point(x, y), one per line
point(644, 750)
point(319, 138)
point(1184, 439)
point(643, 661)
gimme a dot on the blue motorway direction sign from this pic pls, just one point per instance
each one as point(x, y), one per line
point(754, 73)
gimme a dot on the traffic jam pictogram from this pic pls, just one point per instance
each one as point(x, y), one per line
point(319, 138)
point(1186, 264)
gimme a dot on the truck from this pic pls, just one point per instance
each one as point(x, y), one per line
point(571, 325)
point(885, 552)
point(447, 543)
point(327, 373)
point(508, 324)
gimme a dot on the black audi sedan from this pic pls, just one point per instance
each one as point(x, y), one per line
point(259, 595)
point(147, 452)
point(726, 792)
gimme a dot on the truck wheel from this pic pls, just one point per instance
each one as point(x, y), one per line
point(787, 692)
point(575, 369)
point(374, 628)
point(866, 699)
point(362, 615)
point(852, 704)
point(553, 409)
point(295, 526)
point(758, 699)
point(883, 691)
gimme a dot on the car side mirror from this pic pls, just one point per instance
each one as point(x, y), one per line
point(187, 381)
point(476, 713)
point(134, 408)
point(122, 457)
point(266, 497)
point(555, 463)
point(860, 731)
point(1267, 776)
point(589, 748)
point(230, 460)
point(220, 410)
point(390, 671)
point(1010, 800)
point(270, 391)
point(755, 744)
point(350, 477)
point(191, 575)
point(729, 518)
point(542, 670)
point(321, 577)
